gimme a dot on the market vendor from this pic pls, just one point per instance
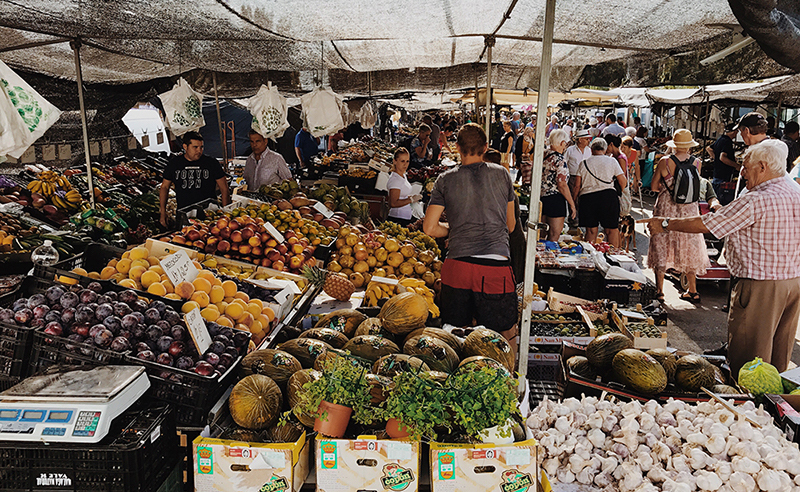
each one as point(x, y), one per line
point(196, 177)
point(306, 146)
point(421, 151)
point(400, 197)
point(263, 166)
point(477, 279)
point(763, 247)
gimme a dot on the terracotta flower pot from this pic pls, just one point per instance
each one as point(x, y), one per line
point(336, 422)
point(393, 428)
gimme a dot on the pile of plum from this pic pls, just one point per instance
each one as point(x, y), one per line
point(121, 321)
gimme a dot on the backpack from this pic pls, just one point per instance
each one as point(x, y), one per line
point(686, 184)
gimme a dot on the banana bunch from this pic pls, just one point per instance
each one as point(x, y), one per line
point(379, 290)
point(70, 201)
point(418, 286)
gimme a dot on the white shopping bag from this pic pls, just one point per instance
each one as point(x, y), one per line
point(24, 114)
point(322, 109)
point(183, 107)
point(367, 116)
point(269, 112)
point(382, 181)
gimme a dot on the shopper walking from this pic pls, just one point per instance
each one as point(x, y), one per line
point(306, 147)
point(506, 144)
point(556, 198)
point(523, 152)
point(724, 163)
point(679, 251)
point(575, 154)
point(614, 150)
point(553, 125)
point(595, 193)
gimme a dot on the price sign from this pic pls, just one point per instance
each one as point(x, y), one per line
point(49, 152)
point(321, 208)
point(179, 267)
point(275, 283)
point(378, 166)
point(64, 152)
point(274, 232)
point(284, 299)
point(145, 140)
point(94, 148)
point(197, 328)
point(384, 280)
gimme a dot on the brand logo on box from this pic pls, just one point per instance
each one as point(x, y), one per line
point(53, 480)
point(396, 477)
point(515, 481)
point(329, 455)
point(275, 484)
point(447, 466)
point(205, 460)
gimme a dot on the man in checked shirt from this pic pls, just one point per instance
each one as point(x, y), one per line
point(763, 231)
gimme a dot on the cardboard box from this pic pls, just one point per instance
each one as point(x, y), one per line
point(639, 342)
point(221, 464)
point(786, 411)
point(484, 467)
point(367, 464)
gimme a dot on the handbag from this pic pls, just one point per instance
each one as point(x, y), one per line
point(617, 186)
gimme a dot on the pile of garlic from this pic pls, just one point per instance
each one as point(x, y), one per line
point(674, 447)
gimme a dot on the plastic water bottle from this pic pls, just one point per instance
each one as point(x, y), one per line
point(45, 255)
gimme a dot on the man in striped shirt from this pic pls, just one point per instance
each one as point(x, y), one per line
point(763, 253)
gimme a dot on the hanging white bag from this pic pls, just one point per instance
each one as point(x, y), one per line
point(269, 110)
point(24, 114)
point(367, 116)
point(323, 111)
point(183, 107)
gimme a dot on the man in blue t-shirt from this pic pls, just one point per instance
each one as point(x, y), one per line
point(306, 147)
point(724, 162)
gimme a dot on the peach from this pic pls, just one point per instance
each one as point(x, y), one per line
point(189, 306)
point(245, 319)
point(157, 288)
point(149, 278)
point(139, 253)
point(210, 313)
point(230, 288)
point(135, 273)
point(202, 284)
point(234, 310)
point(201, 298)
point(123, 265)
point(224, 321)
point(107, 272)
point(185, 290)
point(217, 294)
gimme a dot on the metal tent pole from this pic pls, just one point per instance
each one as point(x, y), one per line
point(536, 183)
point(76, 48)
point(219, 122)
point(489, 46)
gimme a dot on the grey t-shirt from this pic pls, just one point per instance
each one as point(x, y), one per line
point(476, 199)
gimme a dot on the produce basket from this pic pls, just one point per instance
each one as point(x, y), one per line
point(138, 455)
point(96, 256)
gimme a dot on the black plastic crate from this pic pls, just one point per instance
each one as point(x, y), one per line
point(138, 455)
point(544, 370)
point(93, 259)
point(552, 390)
point(628, 292)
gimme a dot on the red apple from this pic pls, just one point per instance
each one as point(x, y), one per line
point(236, 237)
point(254, 241)
point(266, 263)
point(233, 225)
point(225, 233)
point(272, 242)
point(247, 233)
point(244, 249)
point(257, 251)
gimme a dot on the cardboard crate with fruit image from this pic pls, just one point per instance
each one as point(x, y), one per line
point(484, 467)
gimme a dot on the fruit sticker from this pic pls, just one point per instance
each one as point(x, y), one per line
point(395, 477)
point(275, 484)
point(447, 466)
point(205, 460)
point(515, 481)
point(329, 456)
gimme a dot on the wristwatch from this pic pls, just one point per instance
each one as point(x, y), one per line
point(665, 223)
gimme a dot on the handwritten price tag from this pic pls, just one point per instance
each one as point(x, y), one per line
point(198, 330)
point(179, 267)
point(321, 208)
point(274, 232)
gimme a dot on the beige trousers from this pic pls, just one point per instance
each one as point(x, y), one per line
point(763, 321)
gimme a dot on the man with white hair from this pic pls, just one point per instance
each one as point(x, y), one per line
point(763, 232)
point(594, 131)
point(515, 123)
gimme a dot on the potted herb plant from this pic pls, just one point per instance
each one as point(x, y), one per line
point(340, 392)
point(484, 399)
point(417, 406)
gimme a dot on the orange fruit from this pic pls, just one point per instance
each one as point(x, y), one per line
point(126, 255)
point(128, 283)
point(135, 272)
point(269, 313)
point(173, 296)
point(168, 285)
point(157, 269)
point(202, 284)
point(224, 321)
point(123, 265)
point(256, 328)
point(113, 262)
point(142, 263)
point(80, 271)
point(107, 272)
point(210, 313)
point(216, 282)
point(157, 288)
point(228, 299)
point(206, 274)
point(234, 310)
point(189, 306)
point(217, 294)
point(201, 298)
point(254, 309)
point(245, 319)
point(152, 260)
point(149, 278)
point(242, 296)
point(94, 275)
point(263, 320)
point(197, 264)
point(118, 276)
point(185, 290)
point(230, 288)
point(257, 302)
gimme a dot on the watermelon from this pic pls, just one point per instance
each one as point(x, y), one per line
point(693, 372)
point(433, 351)
point(760, 378)
point(601, 351)
point(490, 343)
point(639, 371)
point(371, 347)
point(667, 360)
point(579, 365)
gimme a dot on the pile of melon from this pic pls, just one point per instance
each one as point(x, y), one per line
point(611, 357)
point(395, 341)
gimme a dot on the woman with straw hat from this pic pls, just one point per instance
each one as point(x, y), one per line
point(680, 251)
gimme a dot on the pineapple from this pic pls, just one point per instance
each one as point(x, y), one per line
point(334, 284)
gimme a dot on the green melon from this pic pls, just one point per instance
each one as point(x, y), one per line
point(639, 371)
point(601, 351)
point(579, 365)
point(306, 350)
point(371, 347)
point(294, 390)
point(433, 351)
point(373, 326)
point(335, 339)
point(445, 336)
point(693, 372)
point(724, 389)
point(760, 378)
point(393, 364)
point(276, 364)
point(475, 362)
point(667, 360)
point(489, 343)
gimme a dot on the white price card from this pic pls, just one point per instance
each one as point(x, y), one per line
point(64, 152)
point(321, 208)
point(179, 267)
point(94, 148)
point(276, 283)
point(378, 166)
point(145, 140)
point(48, 152)
point(198, 330)
point(385, 280)
point(399, 450)
point(285, 300)
point(518, 456)
point(274, 232)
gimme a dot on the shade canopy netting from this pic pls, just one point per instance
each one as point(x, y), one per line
point(356, 46)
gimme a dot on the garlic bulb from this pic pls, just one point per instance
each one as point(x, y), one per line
point(707, 480)
point(768, 480)
point(723, 469)
point(716, 444)
point(741, 482)
point(745, 465)
point(597, 437)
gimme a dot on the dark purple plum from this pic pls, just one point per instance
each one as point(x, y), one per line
point(54, 328)
point(23, 316)
point(172, 317)
point(52, 315)
point(113, 323)
point(81, 329)
point(93, 306)
point(87, 296)
point(112, 296)
point(104, 299)
point(152, 316)
point(67, 316)
point(178, 332)
point(203, 368)
point(147, 355)
point(41, 311)
point(164, 358)
point(127, 296)
point(165, 327)
point(140, 332)
point(222, 338)
point(176, 348)
point(159, 305)
point(75, 288)
point(69, 300)
point(212, 358)
point(19, 305)
point(103, 311)
point(154, 333)
point(226, 359)
point(226, 332)
point(38, 323)
point(121, 309)
point(213, 328)
point(153, 344)
point(126, 334)
point(120, 344)
point(129, 322)
point(96, 329)
point(141, 347)
point(104, 338)
point(95, 286)
point(54, 293)
point(140, 305)
point(217, 347)
point(139, 316)
point(7, 315)
point(36, 300)
point(74, 338)
point(184, 363)
point(231, 350)
point(241, 339)
point(164, 343)
point(84, 314)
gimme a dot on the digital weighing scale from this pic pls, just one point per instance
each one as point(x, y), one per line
point(75, 406)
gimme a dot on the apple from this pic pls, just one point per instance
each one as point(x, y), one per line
point(244, 249)
point(225, 233)
point(272, 242)
point(236, 236)
point(289, 234)
point(247, 233)
point(253, 241)
point(266, 263)
point(297, 248)
point(296, 262)
point(282, 249)
point(274, 255)
point(257, 251)
point(278, 265)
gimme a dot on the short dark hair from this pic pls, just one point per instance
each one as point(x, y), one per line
point(614, 140)
point(641, 132)
point(493, 156)
point(791, 127)
point(253, 132)
point(189, 136)
point(636, 120)
point(612, 117)
point(424, 128)
point(471, 139)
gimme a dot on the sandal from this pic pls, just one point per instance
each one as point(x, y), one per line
point(692, 297)
point(660, 297)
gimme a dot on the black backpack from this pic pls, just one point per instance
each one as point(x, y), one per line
point(686, 184)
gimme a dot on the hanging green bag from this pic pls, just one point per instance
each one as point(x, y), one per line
point(759, 378)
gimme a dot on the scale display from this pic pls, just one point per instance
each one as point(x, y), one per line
point(75, 406)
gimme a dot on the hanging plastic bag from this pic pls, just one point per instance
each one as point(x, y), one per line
point(269, 110)
point(24, 114)
point(183, 107)
point(323, 112)
point(759, 378)
point(367, 116)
